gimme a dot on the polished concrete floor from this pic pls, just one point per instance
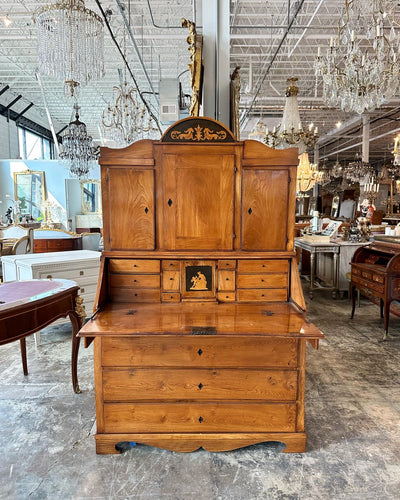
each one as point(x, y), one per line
point(352, 420)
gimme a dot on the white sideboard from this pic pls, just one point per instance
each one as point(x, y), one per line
point(81, 266)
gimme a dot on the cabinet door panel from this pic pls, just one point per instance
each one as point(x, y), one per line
point(131, 195)
point(264, 209)
point(198, 202)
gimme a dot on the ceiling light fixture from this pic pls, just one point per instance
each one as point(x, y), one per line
point(357, 78)
point(290, 132)
point(7, 21)
point(307, 175)
point(78, 152)
point(70, 43)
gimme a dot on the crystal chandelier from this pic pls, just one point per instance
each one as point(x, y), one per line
point(258, 131)
point(70, 43)
point(290, 131)
point(78, 153)
point(307, 174)
point(358, 170)
point(354, 78)
point(125, 121)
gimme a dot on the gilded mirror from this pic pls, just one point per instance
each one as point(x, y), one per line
point(91, 196)
point(30, 192)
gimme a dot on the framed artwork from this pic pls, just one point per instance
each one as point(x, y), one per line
point(198, 279)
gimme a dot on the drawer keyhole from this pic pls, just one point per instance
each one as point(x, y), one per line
point(171, 279)
point(200, 386)
point(199, 352)
point(227, 279)
point(250, 211)
point(146, 210)
point(201, 419)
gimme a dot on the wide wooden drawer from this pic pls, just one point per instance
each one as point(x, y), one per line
point(262, 295)
point(262, 266)
point(135, 280)
point(226, 281)
point(199, 351)
point(199, 384)
point(134, 266)
point(369, 285)
point(366, 274)
point(134, 294)
point(199, 417)
point(262, 280)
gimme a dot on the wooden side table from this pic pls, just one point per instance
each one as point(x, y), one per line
point(28, 306)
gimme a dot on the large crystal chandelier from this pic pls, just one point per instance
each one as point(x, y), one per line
point(70, 43)
point(78, 153)
point(290, 131)
point(307, 174)
point(126, 121)
point(361, 78)
point(358, 170)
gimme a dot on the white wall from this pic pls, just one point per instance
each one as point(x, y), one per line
point(55, 176)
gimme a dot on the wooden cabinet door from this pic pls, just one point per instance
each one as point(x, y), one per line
point(131, 202)
point(265, 196)
point(198, 201)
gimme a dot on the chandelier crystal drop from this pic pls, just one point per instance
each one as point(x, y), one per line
point(360, 73)
point(126, 121)
point(79, 154)
point(70, 43)
point(290, 131)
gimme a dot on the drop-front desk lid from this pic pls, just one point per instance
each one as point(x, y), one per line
point(200, 318)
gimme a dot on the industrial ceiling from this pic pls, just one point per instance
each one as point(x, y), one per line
point(270, 41)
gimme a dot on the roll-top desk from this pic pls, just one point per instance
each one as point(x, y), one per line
point(199, 330)
point(375, 271)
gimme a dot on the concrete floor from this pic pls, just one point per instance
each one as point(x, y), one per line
point(352, 423)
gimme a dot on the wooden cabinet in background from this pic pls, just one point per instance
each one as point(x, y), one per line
point(200, 334)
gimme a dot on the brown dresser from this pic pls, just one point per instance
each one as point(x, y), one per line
point(375, 271)
point(199, 330)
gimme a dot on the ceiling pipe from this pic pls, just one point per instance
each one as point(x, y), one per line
point(299, 6)
point(169, 27)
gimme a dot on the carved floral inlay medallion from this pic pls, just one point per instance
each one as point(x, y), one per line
point(199, 133)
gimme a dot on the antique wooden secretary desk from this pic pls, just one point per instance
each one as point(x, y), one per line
point(200, 331)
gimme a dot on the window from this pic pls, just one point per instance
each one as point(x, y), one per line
point(33, 146)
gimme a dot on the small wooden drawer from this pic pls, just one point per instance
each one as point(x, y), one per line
point(226, 264)
point(134, 280)
point(262, 295)
point(366, 274)
point(199, 351)
point(226, 281)
point(262, 280)
point(226, 296)
point(134, 266)
point(355, 271)
point(171, 265)
point(134, 295)
point(376, 287)
point(171, 280)
point(378, 278)
point(202, 384)
point(262, 266)
point(171, 297)
point(199, 417)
